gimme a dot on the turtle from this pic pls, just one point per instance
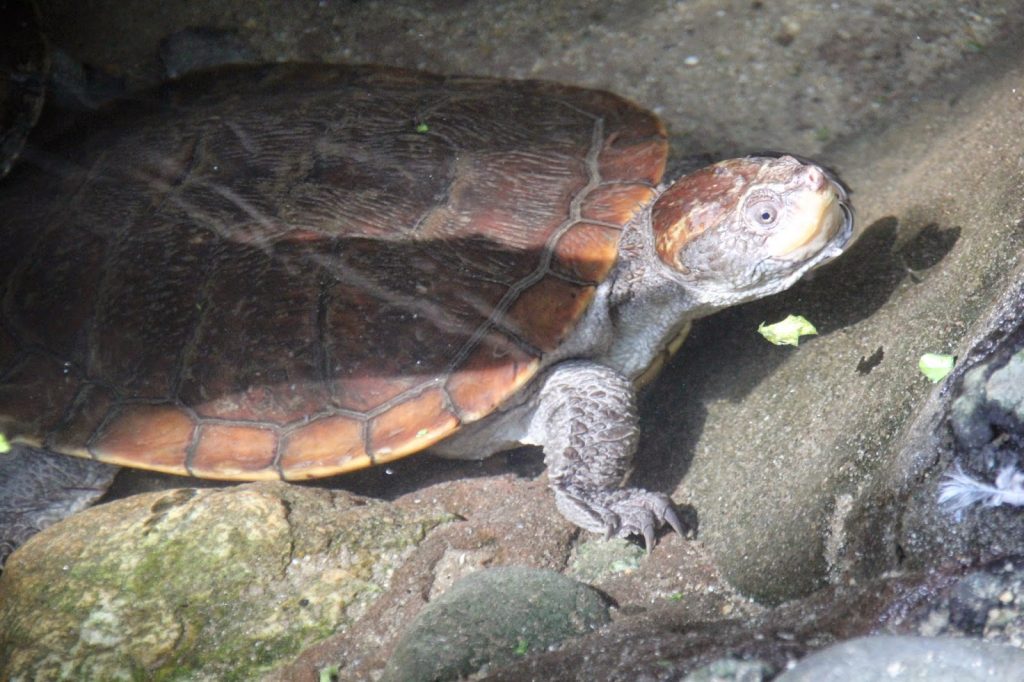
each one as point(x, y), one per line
point(293, 271)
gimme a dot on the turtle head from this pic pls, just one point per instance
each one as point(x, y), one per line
point(745, 228)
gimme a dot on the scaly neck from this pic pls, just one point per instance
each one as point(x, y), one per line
point(649, 305)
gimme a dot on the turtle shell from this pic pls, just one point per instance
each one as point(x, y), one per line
point(298, 270)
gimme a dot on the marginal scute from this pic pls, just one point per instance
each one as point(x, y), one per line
point(484, 380)
point(324, 446)
point(84, 418)
point(411, 426)
point(229, 452)
point(616, 203)
point(547, 311)
point(586, 252)
point(152, 436)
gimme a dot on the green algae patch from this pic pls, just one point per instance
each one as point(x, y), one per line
point(595, 560)
point(186, 584)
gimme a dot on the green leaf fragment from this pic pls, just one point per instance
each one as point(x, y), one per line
point(422, 128)
point(936, 366)
point(522, 648)
point(5, 445)
point(788, 331)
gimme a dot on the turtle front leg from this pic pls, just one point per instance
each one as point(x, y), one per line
point(586, 421)
point(39, 488)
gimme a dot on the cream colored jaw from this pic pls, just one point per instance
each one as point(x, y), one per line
point(811, 220)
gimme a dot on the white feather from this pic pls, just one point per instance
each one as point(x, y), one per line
point(959, 490)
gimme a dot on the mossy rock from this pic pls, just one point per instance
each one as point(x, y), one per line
point(197, 584)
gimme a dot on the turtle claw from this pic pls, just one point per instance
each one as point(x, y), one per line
point(648, 533)
point(620, 513)
point(641, 512)
point(672, 519)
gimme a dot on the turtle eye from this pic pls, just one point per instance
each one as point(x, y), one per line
point(763, 210)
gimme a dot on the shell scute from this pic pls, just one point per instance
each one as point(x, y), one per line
point(586, 252)
point(410, 426)
point(496, 367)
point(611, 203)
point(28, 393)
point(324, 446)
point(155, 437)
point(251, 449)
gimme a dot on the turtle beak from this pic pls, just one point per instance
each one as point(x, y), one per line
point(819, 219)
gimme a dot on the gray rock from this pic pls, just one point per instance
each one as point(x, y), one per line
point(986, 603)
point(1006, 389)
point(597, 559)
point(494, 617)
point(803, 463)
point(968, 419)
point(24, 61)
point(910, 659)
point(970, 438)
point(989, 603)
point(992, 396)
point(731, 670)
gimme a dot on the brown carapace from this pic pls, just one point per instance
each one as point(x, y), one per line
point(295, 271)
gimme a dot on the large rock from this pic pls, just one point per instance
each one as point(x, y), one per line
point(197, 584)
point(795, 444)
point(924, 659)
point(491, 618)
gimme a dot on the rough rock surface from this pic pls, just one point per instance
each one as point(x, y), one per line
point(197, 584)
point(991, 401)
point(492, 617)
point(927, 659)
point(987, 603)
point(824, 436)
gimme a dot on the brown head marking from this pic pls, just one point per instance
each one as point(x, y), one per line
point(695, 203)
point(748, 227)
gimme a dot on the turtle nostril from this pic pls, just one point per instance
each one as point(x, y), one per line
point(814, 178)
